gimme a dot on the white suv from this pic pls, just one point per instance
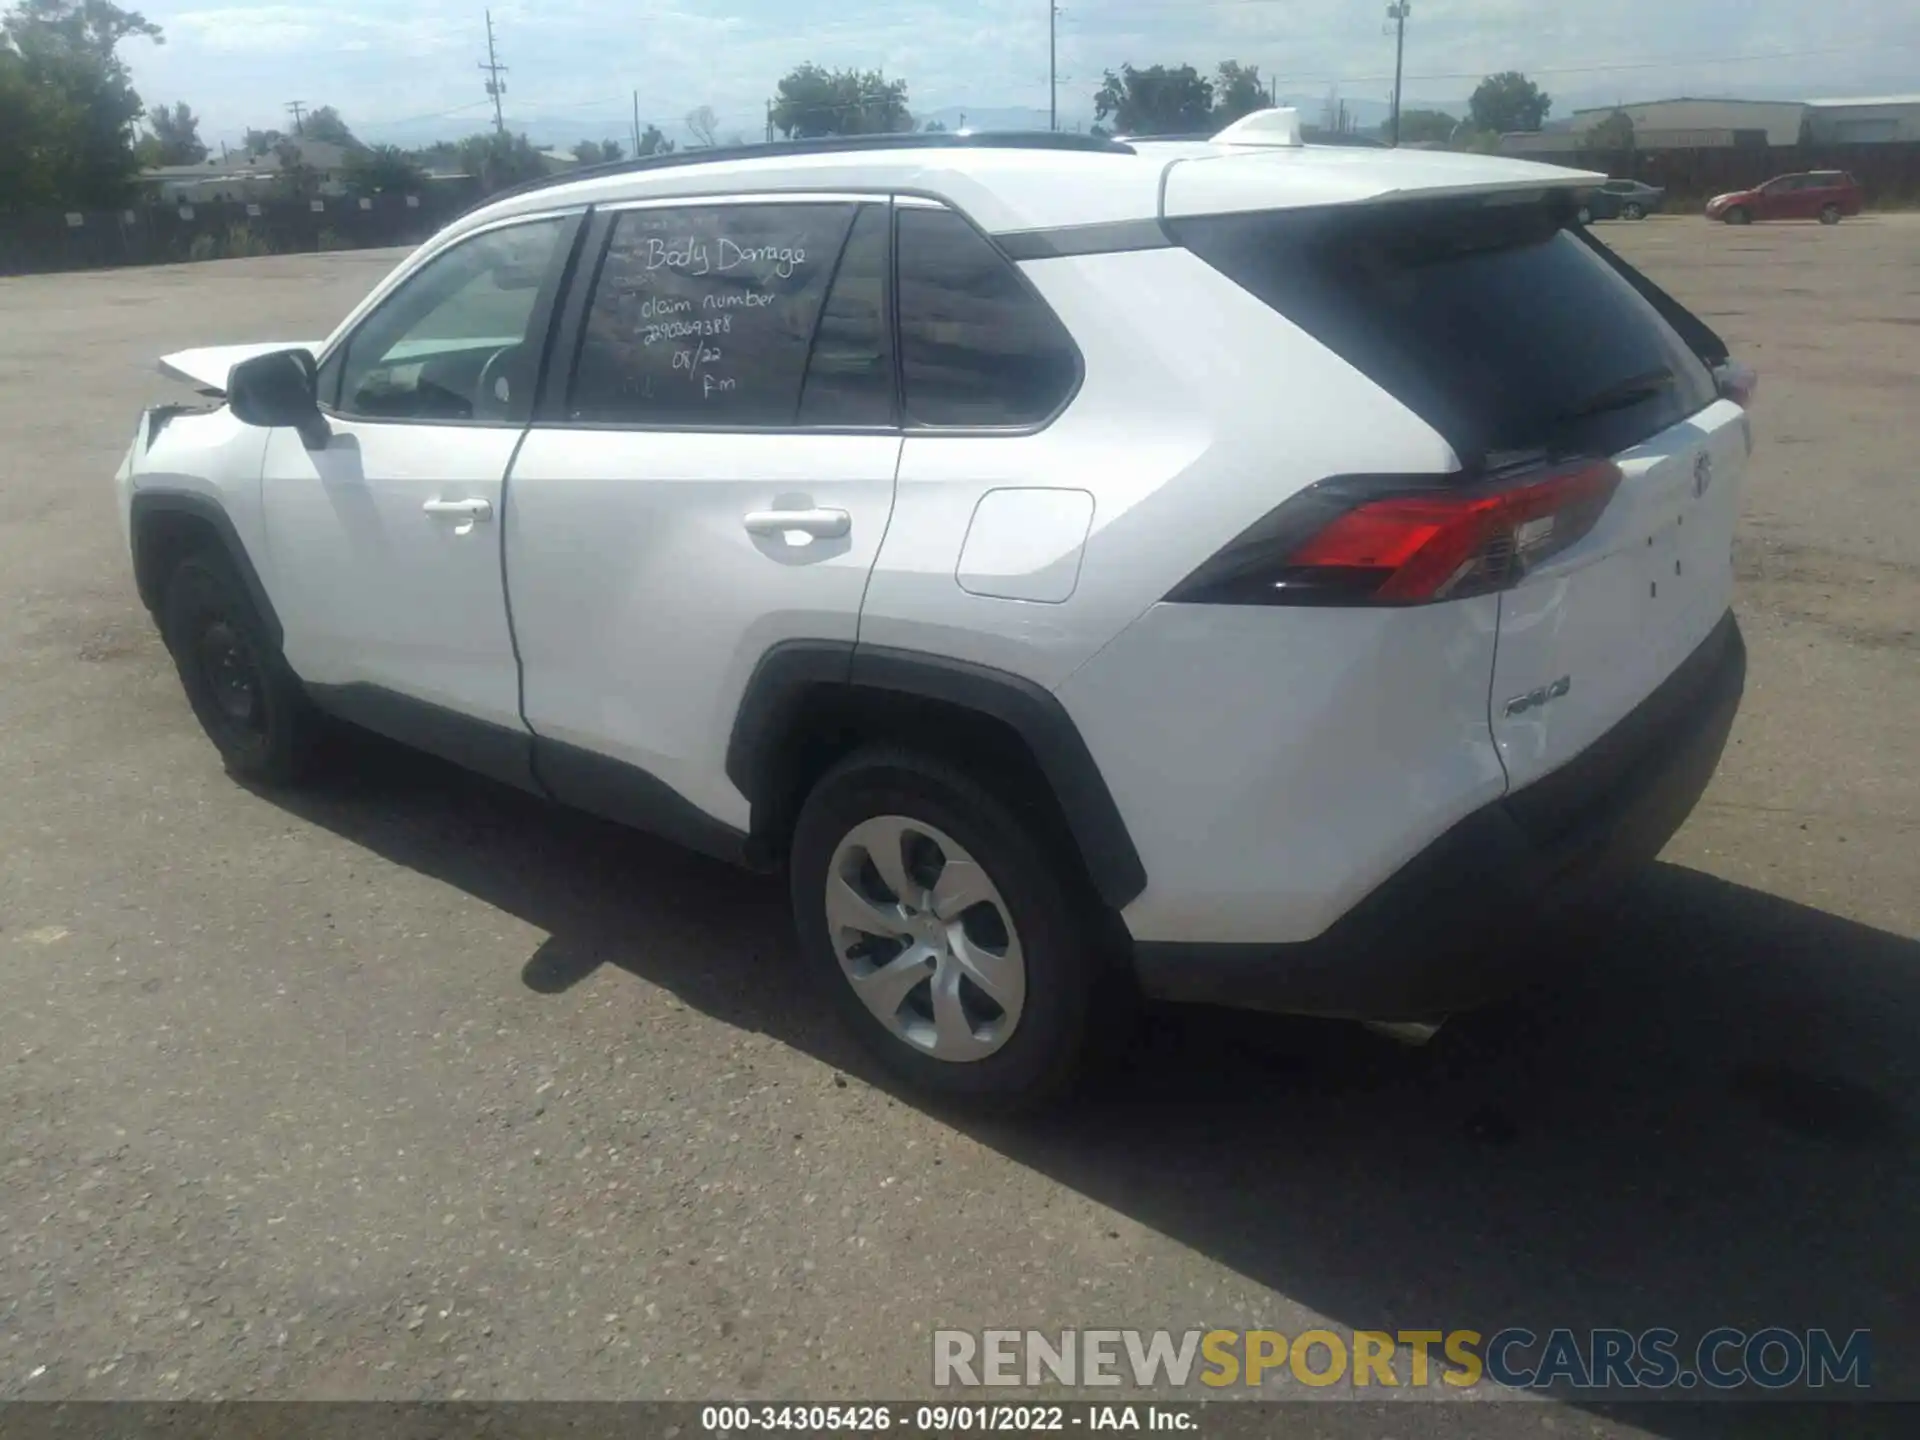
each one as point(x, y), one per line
point(1233, 570)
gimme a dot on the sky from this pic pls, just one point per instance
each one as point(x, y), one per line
point(411, 72)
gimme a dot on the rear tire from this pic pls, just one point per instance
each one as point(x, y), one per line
point(973, 973)
point(1632, 211)
point(1737, 216)
point(1829, 214)
point(246, 699)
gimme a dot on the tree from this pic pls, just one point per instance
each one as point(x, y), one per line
point(323, 123)
point(1425, 127)
point(1238, 91)
point(934, 127)
point(262, 142)
point(1507, 102)
point(654, 142)
point(1160, 100)
point(813, 102)
point(497, 160)
point(174, 137)
point(67, 104)
point(375, 168)
point(700, 124)
point(296, 180)
point(599, 152)
point(1613, 135)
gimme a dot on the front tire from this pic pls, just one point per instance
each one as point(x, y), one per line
point(958, 949)
point(1737, 216)
point(246, 699)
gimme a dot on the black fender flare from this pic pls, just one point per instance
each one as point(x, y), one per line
point(150, 504)
point(779, 684)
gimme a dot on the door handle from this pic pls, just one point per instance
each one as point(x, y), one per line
point(816, 524)
point(468, 512)
point(471, 509)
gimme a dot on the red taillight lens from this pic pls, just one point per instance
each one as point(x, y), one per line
point(1406, 540)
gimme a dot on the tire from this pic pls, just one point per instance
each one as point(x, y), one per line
point(1631, 211)
point(1586, 215)
point(1027, 1035)
point(1829, 214)
point(1737, 216)
point(246, 699)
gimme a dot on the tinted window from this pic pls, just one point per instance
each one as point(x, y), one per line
point(977, 346)
point(704, 315)
point(451, 343)
point(850, 374)
point(1497, 326)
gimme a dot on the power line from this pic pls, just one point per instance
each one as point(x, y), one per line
point(496, 87)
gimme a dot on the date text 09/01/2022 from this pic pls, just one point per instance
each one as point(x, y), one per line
point(942, 1419)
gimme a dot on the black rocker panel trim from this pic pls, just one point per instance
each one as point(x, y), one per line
point(496, 751)
point(148, 504)
point(776, 690)
point(628, 795)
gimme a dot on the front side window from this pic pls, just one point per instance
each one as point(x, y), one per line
point(453, 342)
point(705, 315)
point(977, 346)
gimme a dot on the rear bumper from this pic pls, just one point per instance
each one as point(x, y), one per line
point(1452, 928)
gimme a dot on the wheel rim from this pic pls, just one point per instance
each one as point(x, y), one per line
point(925, 938)
point(232, 677)
point(1633, 212)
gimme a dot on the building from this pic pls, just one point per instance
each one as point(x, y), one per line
point(1878, 120)
point(242, 176)
point(1680, 124)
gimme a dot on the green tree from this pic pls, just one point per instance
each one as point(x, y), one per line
point(67, 105)
point(383, 167)
point(654, 142)
point(296, 179)
point(599, 152)
point(1160, 100)
point(1424, 127)
point(1507, 102)
point(261, 142)
point(1238, 91)
point(1613, 135)
point(497, 160)
point(323, 123)
point(701, 122)
point(813, 102)
point(173, 137)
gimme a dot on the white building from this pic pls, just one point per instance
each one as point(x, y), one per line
point(1882, 119)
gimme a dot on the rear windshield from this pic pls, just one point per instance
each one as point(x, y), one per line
point(1497, 325)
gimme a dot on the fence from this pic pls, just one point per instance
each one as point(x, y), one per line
point(1889, 174)
point(33, 241)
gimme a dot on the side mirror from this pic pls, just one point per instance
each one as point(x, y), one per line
point(278, 390)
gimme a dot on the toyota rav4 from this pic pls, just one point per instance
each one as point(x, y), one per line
point(1229, 570)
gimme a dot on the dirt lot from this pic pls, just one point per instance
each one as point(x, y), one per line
point(409, 1087)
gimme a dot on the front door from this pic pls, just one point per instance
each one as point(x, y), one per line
point(385, 540)
point(714, 478)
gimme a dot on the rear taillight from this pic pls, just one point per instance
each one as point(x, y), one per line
point(1405, 540)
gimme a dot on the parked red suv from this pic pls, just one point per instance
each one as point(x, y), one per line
point(1823, 195)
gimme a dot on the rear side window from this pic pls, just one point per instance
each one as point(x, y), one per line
point(1493, 323)
point(705, 315)
point(977, 346)
point(850, 374)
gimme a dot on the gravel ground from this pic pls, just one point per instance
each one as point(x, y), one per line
point(410, 1087)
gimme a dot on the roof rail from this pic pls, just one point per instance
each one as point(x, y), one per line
point(827, 145)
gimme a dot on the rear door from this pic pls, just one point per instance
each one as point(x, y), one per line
point(710, 473)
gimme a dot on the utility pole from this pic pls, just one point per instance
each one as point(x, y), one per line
point(636, 124)
point(1397, 12)
point(1054, 12)
point(769, 122)
point(298, 109)
point(496, 87)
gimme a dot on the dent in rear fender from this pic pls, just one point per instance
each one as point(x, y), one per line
point(1274, 766)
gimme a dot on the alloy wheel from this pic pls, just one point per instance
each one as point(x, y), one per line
point(925, 938)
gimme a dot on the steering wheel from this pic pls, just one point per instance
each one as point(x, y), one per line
point(493, 391)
